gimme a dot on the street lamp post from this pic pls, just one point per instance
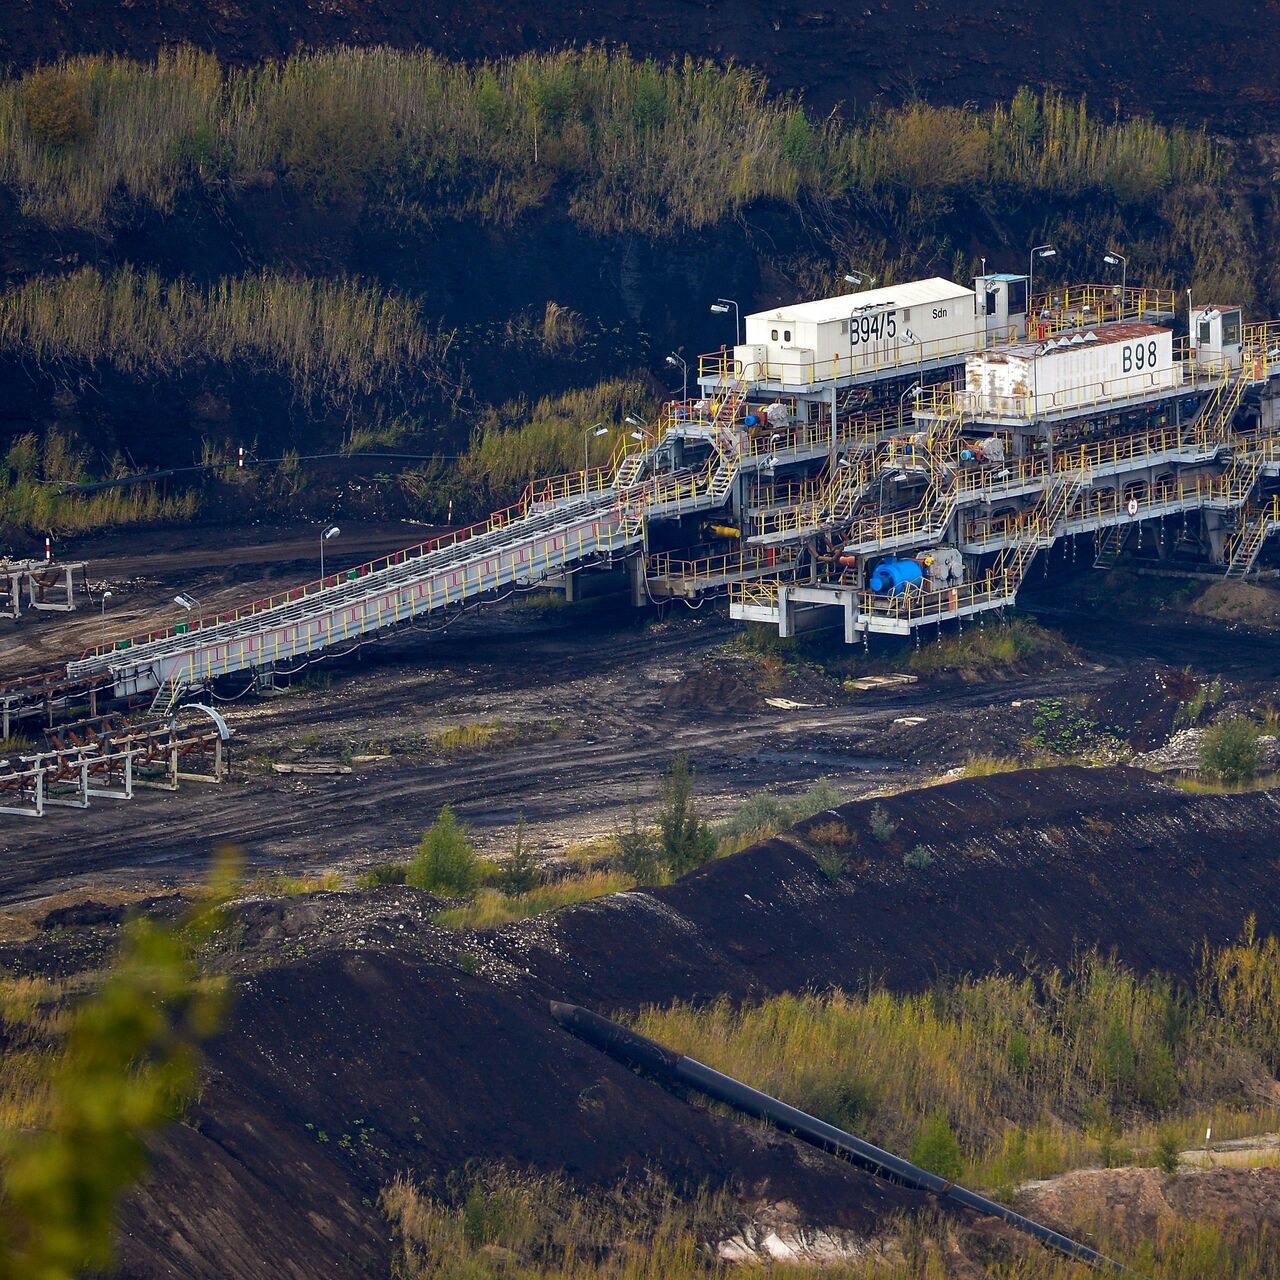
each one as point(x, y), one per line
point(1114, 259)
point(331, 532)
point(1040, 251)
point(914, 392)
point(677, 363)
point(721, 308)
point(859, 278)
point(106, 595)
point(185, 600)
point(594, 431)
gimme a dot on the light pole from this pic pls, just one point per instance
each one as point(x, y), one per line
point(677, 363)
point(331, 532)
point(106, 595)
point(914, 392)
point(593, 432)
point(184, 600)
point(859, 278)
point(1040, 251)
point(641, 433)
point(721, 307)
point(1114, 259)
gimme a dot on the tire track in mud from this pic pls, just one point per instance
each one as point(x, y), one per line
point(383, 811)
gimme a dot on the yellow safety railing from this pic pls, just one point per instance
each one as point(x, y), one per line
point(757, 595)
point(1026, 406)
point(1261, 347)
point(914, 607)
point(1244, 545)
point(709, 568)
point(1077, 306)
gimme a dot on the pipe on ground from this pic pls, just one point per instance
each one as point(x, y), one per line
point(639, 1051)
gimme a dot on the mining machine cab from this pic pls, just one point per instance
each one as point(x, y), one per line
point(1000, 301)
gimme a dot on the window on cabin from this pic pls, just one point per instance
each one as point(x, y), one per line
point(1017, 297)
point(773, 335)
point(1230, 328)
point(1206, 333)
point(786, 335)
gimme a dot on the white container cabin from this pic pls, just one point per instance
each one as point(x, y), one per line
point(1026, 381)
point(919, 324)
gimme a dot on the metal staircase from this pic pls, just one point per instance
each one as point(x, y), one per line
point(1037, 529)
point(1257, 523)
point(1111, 545)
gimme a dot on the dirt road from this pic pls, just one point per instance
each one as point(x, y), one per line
point(585, 700)
point(585, 706)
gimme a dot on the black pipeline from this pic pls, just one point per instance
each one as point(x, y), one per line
point(639, 1051)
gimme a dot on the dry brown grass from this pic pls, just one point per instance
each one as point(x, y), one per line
point(329, 337)
point(633, 145)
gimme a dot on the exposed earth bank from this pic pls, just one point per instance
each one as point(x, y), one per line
point(367, 1041)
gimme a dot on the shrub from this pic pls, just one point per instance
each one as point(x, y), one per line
point(1168, 1148)
point(520, 873)
point(382, 874)
point(764, 814)
point(1230, 750)
point(831, 842)
point(937, 1149)
point(685, 838)
point(1201, 699)
point(331, 148)
point(446, 861)
point(57, 113)
point(637, 851)
point(918, 859)
point(882, 826)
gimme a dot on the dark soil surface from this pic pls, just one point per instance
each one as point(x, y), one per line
point(1026, 867)
point(592, 700)
point(1202, 65)
point(366, 1041)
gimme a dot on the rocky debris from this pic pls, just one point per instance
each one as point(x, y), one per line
point(1135, 1200)
point(262, 929)
point(1181, 754)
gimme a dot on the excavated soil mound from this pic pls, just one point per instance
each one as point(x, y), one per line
point(1140, 707)
point(367, 1041)
point(1038, 863)
point(1135, 1200)
point(344, 1070)
point(714, 687)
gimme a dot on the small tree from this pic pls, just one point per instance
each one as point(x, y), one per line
point(637, 854)
point(446, 861)
point(882, 826)
point(937, 1149)
point(520, 873)
point(1230, 750)
point(1168, 1150)
point(687, 841)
